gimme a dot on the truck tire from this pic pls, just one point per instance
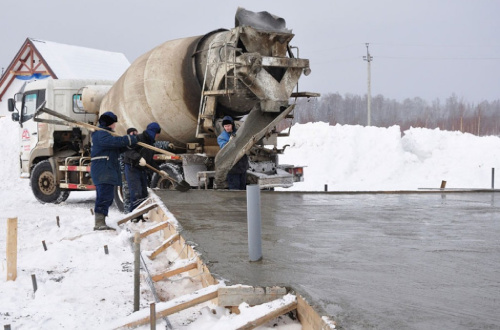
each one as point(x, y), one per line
point(173, 171)
point(119, 199)
point(44, 185)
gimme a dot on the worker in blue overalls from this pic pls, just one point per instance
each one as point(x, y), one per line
point(105, 168)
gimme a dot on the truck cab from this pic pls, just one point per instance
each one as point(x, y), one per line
point(44, 146)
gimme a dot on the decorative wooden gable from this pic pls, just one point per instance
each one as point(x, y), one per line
point(27, 64)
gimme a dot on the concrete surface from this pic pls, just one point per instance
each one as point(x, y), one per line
point(370, 261)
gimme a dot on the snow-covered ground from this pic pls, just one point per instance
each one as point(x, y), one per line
point(81, 287)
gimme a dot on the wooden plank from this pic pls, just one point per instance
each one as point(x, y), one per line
point(176, 305)
point(11, 249)
point(154, 229)
point(175, 271)
point(310, 319)
point(165, 245)
point(260, 320)
point(235, 295)
point(137, 213)
point(144, 203)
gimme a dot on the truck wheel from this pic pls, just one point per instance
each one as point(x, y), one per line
point(119, 199)
point(44, 185)
point(157, 181)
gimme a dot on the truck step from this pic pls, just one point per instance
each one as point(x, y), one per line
point(219, 92)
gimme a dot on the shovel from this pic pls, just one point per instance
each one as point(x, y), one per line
point(180, 186)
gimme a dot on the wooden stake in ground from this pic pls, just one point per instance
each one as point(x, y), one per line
point(33, 281)
point(11, 249)
point(152, 315)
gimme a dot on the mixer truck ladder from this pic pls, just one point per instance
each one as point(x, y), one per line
point(206, 112)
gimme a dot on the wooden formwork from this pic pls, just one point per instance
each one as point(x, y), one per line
point(226, 296)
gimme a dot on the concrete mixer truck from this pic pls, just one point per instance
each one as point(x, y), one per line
point(186, 85)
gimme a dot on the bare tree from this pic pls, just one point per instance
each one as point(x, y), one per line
point(454, 114)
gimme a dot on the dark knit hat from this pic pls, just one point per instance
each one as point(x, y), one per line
point(131, 129)
point(154, 127)
point(227, 120)
point(107, 118)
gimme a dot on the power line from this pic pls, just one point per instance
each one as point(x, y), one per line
point(402, 58)
point(356, 45)
point(441, 58)
point(436, 45)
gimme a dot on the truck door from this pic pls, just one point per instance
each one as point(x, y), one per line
point(29, 128)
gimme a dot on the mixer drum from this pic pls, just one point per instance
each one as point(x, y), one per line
point(159, 86)
point(164, 85)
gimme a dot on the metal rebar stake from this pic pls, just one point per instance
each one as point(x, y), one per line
point(137, 266)
point(149, 281)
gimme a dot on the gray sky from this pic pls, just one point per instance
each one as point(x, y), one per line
point(424, 48)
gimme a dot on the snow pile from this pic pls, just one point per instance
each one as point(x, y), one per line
point(357, 158)
point(10, 148)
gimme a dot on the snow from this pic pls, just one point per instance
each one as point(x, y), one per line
point(82, 287)
point(357, 158)
point(75, 62)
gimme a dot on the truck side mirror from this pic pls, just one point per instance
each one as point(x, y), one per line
point(11, 105)
point(15, 116)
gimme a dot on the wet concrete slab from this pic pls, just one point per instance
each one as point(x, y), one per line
point(371, 261)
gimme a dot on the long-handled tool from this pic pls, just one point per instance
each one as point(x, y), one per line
point(181, 186)
point(89, 127)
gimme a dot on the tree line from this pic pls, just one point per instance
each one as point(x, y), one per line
point(454, 114)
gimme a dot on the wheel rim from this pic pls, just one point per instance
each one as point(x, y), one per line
point(46, 183)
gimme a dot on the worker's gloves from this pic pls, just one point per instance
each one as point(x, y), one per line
point(163, 174)
point(142, 162)
point(233, 135)
point(171, 145)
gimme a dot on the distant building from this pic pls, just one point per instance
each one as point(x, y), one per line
point(39, 59)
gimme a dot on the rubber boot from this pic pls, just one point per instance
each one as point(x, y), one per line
point(100, 222)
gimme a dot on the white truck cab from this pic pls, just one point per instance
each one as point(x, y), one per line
point(45, 145)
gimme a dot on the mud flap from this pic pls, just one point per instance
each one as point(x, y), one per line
point(256, 126)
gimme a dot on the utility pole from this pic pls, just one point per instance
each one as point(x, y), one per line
point(368, 58)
